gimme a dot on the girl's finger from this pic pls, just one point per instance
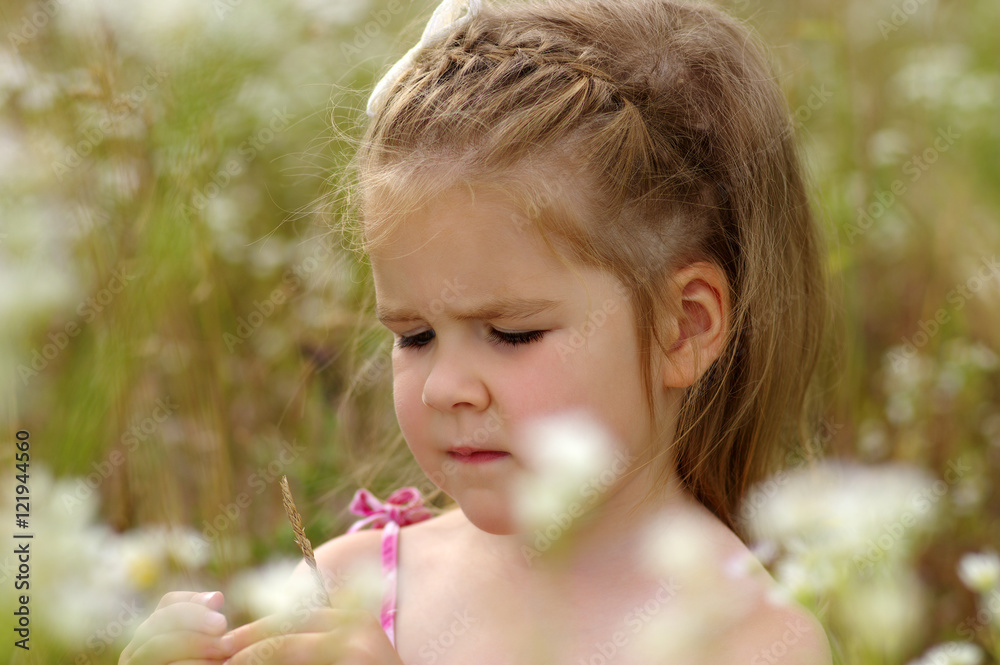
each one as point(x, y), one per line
point(175, 647)
point(306, 621)
point(181, 617)
point(211, 599)
point(322, 648)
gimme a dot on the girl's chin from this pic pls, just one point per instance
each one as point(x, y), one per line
point(490, 514)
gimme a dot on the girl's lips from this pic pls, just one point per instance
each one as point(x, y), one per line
point(473, 456)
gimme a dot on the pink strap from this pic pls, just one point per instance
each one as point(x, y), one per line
point(404, 506)
point(390, 558)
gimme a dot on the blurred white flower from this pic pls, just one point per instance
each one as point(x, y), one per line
point(272, 589)
point(342, 12)
point(884, 613)
point(572, 463)
point(143, 560)
point(842, 511)
point(900, 409)
point(888, 146)
point(806, 576)
point(14, 73)
point(980, 572)
point(139, 26)
point(678, 545)
point(676, 636)
point(718, 591)
point(148, 554)
point(873, 441)
point(930, 72)
point(951, 653)
point(360, 588)
point(90, 594)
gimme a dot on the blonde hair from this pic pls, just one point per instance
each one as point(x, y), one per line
point(647, 135)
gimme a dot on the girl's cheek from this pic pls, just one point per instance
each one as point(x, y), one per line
point(407, 395)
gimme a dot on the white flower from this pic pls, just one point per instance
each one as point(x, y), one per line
point(980, 572)
point(272, 589)
point(888, 146)
point(885, 612)
point(342, 12)
point(74, 601)
point(572, 463)
point(360, 589)
point(951, 653)
point(841, 511)
point(143, 559)
point(147, 554)
point(678, 544)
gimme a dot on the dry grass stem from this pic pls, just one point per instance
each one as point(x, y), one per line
point(300, 536)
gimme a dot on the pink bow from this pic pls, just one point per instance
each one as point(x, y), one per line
point(404, 506)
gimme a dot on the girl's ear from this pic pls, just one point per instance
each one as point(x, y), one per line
point(697, 336)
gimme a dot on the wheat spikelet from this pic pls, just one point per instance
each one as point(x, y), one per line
point(300, 536)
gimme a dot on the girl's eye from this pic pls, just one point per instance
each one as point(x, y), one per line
point(515, 338)
point(500, 337)
point(415, 341)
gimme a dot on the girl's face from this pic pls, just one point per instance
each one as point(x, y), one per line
point(492, 330)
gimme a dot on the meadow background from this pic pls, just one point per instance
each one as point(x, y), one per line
point(180, 324)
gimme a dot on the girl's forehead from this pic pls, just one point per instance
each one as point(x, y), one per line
point(458, 220)
point(528, 206)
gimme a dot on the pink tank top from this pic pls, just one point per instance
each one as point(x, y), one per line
point(404, 506)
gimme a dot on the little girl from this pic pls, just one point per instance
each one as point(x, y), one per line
point(591, 206)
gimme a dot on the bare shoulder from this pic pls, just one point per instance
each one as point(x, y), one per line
point(356, 558)
point(350, 550)
point(779, 633)
point(352, 559)
point(772, 629)
point(766, 630)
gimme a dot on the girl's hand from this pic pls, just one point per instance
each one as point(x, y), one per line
point(185, 627)
point(316, 637)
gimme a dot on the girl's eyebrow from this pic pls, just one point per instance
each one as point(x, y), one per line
point(501, 307)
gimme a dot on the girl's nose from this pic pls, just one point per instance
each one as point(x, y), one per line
point(452, 384)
